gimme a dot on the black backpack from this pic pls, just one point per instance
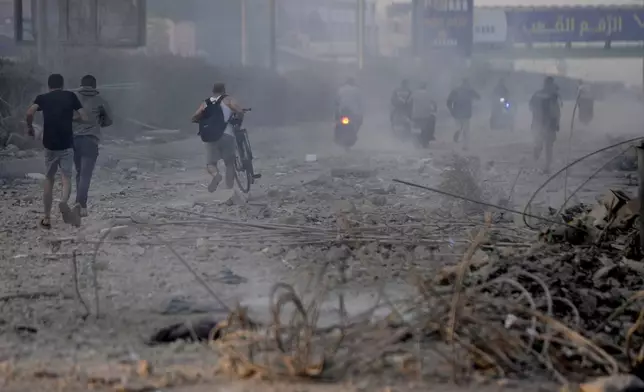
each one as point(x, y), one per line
point(213, 124)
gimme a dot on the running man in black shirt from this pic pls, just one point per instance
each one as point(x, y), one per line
point(59, 108)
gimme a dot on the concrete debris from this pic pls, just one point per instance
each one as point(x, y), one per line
point(338, 253)
point(36, 176)
point(228, 197)
point(22, 142)
point(611, 222)
point(183, 306)
point(116, 232)
point(227, 276)
point(343, 206)
point(352, 172)
point(379, 201)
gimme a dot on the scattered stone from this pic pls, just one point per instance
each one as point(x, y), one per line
point(273, 193)
point(11, 149)
point(422, 253)
point(138, 250)
point(338, 253)
point(379, 201)
point(352, 172)
point(227, 276)
point(343, 206)
point(116, 232)
point(292, 255)
point(320, 181)
point(201, 330)
point(182, 306)
point(289, 220)
point(36, 176)
point(22, 142)
point(228, 197)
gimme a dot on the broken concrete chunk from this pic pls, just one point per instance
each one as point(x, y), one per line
point(36, 176)
point(228, 197)
point(22, 142)
point(608, 207)
point(352, 172)
point(116, 232)
point(379, 201)
point(342, 206)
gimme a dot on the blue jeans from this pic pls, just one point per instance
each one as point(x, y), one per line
point(85, 156)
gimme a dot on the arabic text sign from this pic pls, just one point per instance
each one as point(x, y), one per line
point(576, 25)
point(450, 27)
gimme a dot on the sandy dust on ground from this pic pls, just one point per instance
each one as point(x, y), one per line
point(45, 343)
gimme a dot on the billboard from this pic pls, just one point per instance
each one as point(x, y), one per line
point(597, 24)
point(449, 24)
point(559, 24)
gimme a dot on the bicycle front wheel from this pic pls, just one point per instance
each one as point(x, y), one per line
point(243, 176)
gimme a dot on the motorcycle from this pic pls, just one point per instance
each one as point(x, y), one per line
point(346, 130)
point(503, 114)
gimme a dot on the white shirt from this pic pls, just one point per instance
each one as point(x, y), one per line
point(227, 113)
point(349, 97)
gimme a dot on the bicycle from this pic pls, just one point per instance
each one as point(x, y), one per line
point(245, 174)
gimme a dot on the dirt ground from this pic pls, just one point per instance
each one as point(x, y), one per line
point(47, 344)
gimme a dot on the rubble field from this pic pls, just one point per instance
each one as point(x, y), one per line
point(328, 274)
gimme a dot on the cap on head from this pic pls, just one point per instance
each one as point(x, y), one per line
point(88, 81)
point(351, 81)
point(549, 80)
point(55, 81)
point(219, 88)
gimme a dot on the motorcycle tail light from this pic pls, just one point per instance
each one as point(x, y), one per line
point(345, 120)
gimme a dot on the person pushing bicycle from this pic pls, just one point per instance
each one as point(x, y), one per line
point(213, 117)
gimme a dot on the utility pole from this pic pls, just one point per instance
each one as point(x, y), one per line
point(244, 33)
point(41, 32)
point(415, 41)
point(272, 11)
point(360, 19)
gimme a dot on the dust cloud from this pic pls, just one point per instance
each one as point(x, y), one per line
point(158, 251)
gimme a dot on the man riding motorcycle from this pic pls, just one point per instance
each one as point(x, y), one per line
point(349, 100)
point(348, 103)
point(402, 105)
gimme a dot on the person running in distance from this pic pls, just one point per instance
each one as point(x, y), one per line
point(459, 103)
point(545, 106)
point(59, 108)
point(213, 117)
